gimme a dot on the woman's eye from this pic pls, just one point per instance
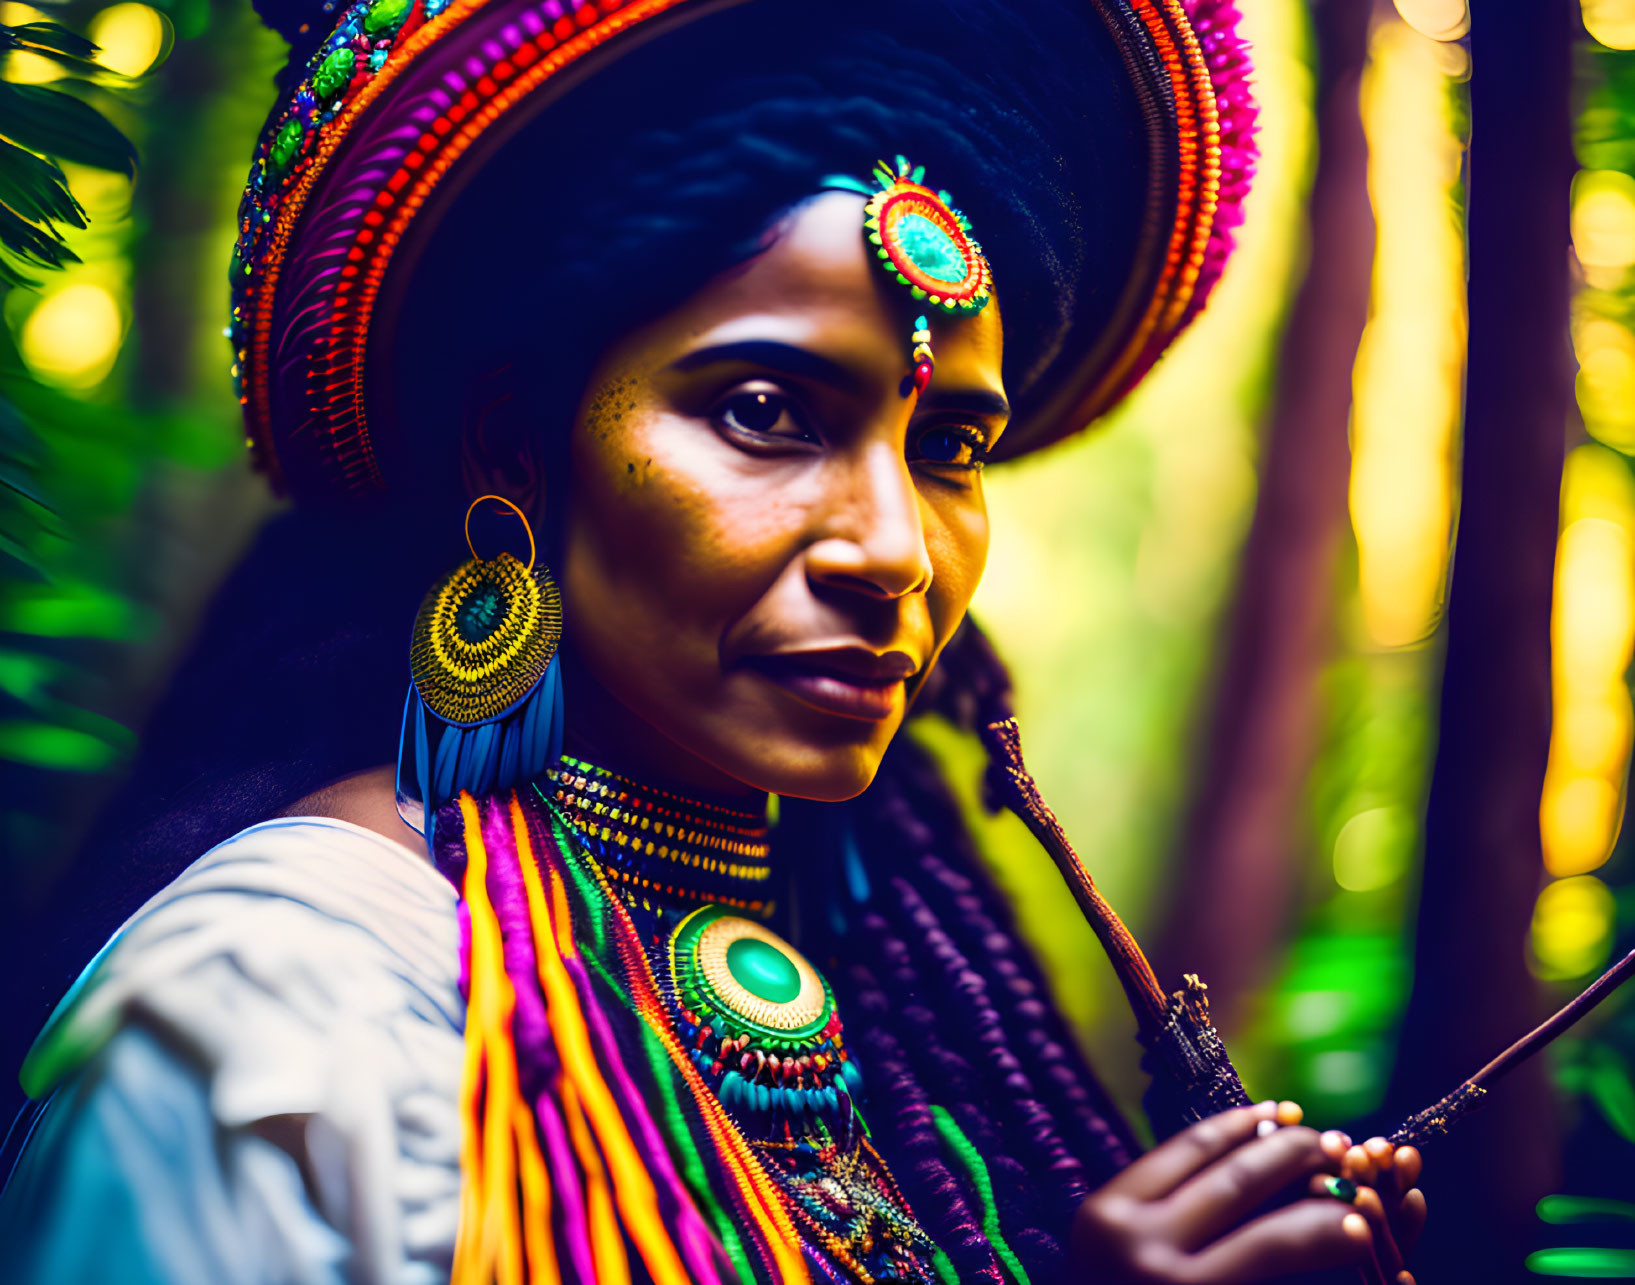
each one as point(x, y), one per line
point(763, 412)
point(956, 445)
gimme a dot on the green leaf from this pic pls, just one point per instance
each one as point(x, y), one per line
point(10, 277)
point(51, 40)
point(31, 243)
point(62, 127)
point(34, 188)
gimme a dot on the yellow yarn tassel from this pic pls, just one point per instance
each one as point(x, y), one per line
point(489, 1245)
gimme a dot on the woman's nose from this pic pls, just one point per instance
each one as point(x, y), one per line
point(873, 538)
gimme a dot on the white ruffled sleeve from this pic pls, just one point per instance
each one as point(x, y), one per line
point(257, 1080)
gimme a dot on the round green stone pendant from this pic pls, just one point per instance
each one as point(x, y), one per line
point(763, 970)
point(741, 976)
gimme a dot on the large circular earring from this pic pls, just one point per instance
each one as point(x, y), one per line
point(484, 709)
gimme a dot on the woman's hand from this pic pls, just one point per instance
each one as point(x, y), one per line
point(1385, 1194)
point(1236, 1198)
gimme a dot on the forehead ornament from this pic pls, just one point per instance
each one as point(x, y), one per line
point(921, 240)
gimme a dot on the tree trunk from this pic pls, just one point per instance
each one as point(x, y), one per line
point(1472, 992)
point(1239, 843)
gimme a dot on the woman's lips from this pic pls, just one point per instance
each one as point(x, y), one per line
point(851, 682)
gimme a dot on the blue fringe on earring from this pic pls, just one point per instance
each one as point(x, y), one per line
point(484, 710)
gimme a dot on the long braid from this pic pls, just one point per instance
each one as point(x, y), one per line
point(954, 1011)
point(902, 1111)
point(955, 885)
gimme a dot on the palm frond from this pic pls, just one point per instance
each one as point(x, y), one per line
point(49, 40)
point(58, 125)
point(33, 188)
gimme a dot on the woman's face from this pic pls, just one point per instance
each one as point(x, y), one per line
point(767, 544)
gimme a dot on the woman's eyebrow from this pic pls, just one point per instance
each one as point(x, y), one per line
point(976, 401)
point(787, 359)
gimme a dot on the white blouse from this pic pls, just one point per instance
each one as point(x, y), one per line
point(257, 1080)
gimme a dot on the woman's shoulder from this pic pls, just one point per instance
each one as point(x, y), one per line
point(284, 946)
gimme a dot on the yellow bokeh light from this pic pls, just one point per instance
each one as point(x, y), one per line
point(132, 37)
point(1578, 820)
point(1407, 382)
point(1572, 927)
point(1605, 384)
point(1611, 22)
point(1594, 735)
point(1603, 219)
point(1596, 483)
point(72, 338)
point(24, 68)
point(1373, 849)
point(1438, 19)
point(1593, 608)
point(1592, 634)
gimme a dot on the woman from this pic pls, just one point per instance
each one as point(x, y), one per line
point(548, 998)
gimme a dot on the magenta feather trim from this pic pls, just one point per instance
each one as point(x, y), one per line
point(1226, 53)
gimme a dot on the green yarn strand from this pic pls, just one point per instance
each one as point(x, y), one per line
point(976, 1171)
point(692, 1164)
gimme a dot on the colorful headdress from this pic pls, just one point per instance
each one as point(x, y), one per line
point(403, 101)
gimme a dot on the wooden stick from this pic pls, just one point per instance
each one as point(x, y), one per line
point(1437, 1119)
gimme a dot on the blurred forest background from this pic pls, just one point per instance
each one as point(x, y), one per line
point(1375, 799)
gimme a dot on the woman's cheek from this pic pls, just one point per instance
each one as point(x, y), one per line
point(959, 551)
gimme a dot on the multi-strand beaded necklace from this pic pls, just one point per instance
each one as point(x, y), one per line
point(753, 1015)
point(660, 848)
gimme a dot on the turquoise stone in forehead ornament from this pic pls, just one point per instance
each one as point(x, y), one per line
point(931, 248)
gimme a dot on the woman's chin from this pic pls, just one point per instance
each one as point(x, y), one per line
point(799, 769)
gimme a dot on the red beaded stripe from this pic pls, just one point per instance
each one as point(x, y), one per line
point(468, 119)
point(1197, 192)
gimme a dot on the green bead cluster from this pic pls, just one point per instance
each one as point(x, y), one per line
point(334, 74)
point(386, 15)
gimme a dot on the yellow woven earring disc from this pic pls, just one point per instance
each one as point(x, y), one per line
point(483, 639)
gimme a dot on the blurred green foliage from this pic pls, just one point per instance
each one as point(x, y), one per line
point(104, 471)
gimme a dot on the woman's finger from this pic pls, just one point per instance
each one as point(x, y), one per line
point(1307, 1236)
point(1409, 1165)
point(1383, 1156)
point(1410, 1220)
point(1168, 1165)
point(1366, 1201)
point(1359, 1167)
point(1240, 1182)
point(1386, 1251)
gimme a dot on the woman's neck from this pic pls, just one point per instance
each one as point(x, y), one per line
point(660, 845)
point(602, 730)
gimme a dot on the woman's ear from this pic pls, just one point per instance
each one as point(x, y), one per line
point(500, 447)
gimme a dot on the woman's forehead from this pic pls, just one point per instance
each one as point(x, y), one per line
point(817, 286)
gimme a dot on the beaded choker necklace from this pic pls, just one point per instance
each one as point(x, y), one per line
point(655, 845)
